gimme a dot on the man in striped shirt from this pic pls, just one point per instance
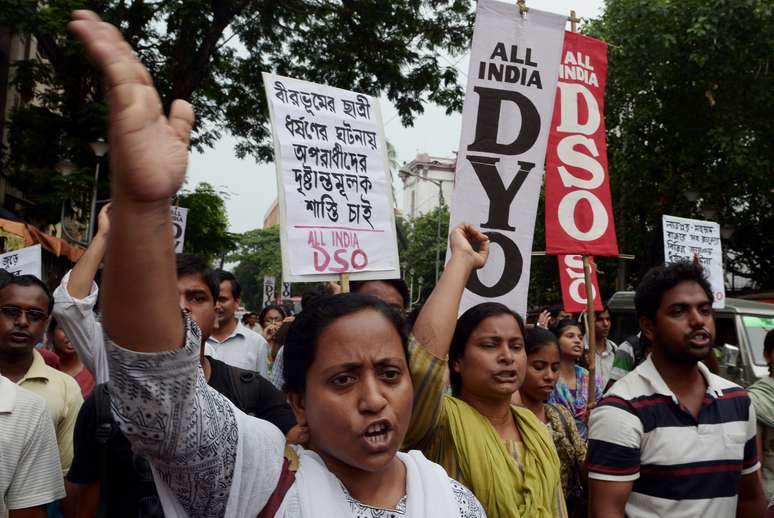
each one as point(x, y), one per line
point(671, 438)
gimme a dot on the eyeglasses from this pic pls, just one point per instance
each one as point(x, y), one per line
point(34, 316)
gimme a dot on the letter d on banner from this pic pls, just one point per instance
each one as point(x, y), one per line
point(505, 124)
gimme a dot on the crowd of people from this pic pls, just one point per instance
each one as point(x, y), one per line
point(163, 403)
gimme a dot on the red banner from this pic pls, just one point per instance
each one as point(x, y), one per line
point(574, 286)
point(579, 211)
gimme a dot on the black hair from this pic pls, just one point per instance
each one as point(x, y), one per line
point(314, 294)
point(555, 310)
point(768, 345)
point(538, 338)
point(398, 284)
point(661, 279)
point(466, 324)
point(189, 264)
point(268, 308)
point(27, 280)
point(301, 343)
point(558, 328)
point(236, 289)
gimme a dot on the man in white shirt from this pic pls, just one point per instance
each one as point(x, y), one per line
point(232, 342)
point(30, 472)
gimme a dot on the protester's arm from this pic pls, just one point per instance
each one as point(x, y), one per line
point(148, 159)
point(85, 270)
point(615, 435)
point(751, 501)
point(74, 302)
point(88, 500)
point(435, 324)
point(608, 499)
point(160, 399)
point(80, 325)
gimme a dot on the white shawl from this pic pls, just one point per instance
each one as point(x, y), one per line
point(429, 492)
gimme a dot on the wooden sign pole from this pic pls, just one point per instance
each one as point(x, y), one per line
point(344, 282)
point(591, 354)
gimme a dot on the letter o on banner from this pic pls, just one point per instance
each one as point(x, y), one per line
point(575, 286)
point(512, 268)
point(359, 253)
point(599, 219)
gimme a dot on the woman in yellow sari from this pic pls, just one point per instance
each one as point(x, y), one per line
point(501, 452)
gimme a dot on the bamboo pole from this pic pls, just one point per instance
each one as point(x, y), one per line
point(344, 282)
point(591, 354)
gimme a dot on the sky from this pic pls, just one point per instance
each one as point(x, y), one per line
point(251, 187)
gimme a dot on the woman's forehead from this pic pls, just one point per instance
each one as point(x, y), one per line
point(365, 336)
point(498, 325)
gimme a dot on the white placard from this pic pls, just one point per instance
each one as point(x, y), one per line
point(25, 261)
point(335, 197)
point(685, 239)
point(506, 119)
point(268, 290)
point(179, 218)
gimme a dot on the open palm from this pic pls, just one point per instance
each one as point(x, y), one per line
point(148, 151)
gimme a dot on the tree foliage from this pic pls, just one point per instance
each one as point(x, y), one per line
point(257, 254)
point(419, 246)
point(212, 53)
point(206, 232)
point(689, 105)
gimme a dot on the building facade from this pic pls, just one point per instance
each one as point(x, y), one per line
point(428, 181)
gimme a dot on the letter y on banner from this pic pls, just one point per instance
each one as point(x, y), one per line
point(505, 124)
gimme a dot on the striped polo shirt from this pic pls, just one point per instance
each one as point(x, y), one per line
point(30, 473)
point(680, 466)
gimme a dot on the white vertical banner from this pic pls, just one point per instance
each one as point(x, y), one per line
point(506, 119)
point(179, 217)
point(268, 290)
point(693, 239)
point(286, 290)
point(25, 261)
point(333, 182)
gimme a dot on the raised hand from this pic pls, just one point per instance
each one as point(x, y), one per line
point(148, 151)
point(103, 220)
point(470, 245)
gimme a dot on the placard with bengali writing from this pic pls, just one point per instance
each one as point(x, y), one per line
point(693, 239)
point(335, 197)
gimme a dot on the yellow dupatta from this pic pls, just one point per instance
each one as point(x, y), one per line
point(491, 471)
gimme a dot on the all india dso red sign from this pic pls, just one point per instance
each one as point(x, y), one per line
point(579, 211)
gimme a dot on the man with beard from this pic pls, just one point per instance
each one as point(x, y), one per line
point(671, 438)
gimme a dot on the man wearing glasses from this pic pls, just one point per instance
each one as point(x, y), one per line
point(25, 305)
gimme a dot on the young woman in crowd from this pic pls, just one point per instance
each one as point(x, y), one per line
point(270, 319)
point(762, 396)
point(69, 361)
point(503, 453)
point(572, 388)
point(541, 377)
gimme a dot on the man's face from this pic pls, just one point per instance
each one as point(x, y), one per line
point(196, 299)
point(23, 318)
point(252, 319)
point(226, 305)
point(602, 325)
point(684, 328)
